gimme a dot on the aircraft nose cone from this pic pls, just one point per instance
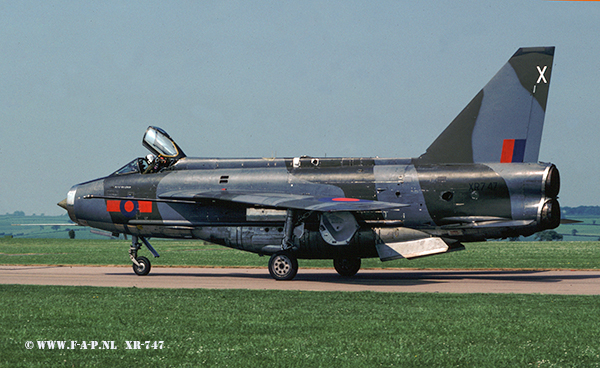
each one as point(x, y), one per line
point(63, 203)
point(69, 203)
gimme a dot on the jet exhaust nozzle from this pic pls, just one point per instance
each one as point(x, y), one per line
point(550, 215)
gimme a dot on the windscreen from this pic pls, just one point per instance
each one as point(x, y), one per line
point(130, 168)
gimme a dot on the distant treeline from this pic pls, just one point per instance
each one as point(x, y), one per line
point(581, 211)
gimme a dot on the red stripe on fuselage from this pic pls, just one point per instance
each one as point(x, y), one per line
point(113, 206)
point(145, 206)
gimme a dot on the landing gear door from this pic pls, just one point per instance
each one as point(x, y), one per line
point(160, 143)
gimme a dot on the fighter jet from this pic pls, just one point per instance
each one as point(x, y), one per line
point(480, 179)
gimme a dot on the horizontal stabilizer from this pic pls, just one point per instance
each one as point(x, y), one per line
point(569, 221)
point(283, 200)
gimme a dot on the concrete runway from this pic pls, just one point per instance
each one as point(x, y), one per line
point(443, 281)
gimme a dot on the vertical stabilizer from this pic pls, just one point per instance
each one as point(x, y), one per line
point(504, 121)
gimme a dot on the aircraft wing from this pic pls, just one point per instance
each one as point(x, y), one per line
point(284, 200)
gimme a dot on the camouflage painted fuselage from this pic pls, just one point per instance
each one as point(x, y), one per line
point(464, 202)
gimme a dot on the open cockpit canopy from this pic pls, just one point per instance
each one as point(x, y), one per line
point(160, 143)
point(165, 153)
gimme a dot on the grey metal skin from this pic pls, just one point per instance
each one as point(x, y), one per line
point(464, 202)
point(349, 208)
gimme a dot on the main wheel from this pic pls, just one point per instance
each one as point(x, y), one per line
point(283, 266)
point(144, 268)
point(347, 267)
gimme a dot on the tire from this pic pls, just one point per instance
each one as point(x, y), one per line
point(283, 266)
point(347, 267)
point(144, 268)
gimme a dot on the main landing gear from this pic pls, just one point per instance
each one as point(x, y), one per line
point(141, 265)
point(346, 267)
point(284, 266)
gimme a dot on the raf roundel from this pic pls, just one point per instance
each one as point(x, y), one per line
point(129, 208)
point(342, 199)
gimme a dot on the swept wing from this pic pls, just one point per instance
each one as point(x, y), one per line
point(284, 200)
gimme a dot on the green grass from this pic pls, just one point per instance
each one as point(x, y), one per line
point(53, 227)
point(496, 255)
point(243, 328)
point(587, 229)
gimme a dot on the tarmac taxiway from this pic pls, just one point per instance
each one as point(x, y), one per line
point(433, 281)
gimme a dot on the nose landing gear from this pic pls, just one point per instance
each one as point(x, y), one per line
point(141, 265)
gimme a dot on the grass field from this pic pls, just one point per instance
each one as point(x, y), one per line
point(45, 227)
point(244, 328)
point(587, 229)
point(241, 328)
point(496, 255)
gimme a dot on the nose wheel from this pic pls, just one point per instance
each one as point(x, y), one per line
point(141, 265)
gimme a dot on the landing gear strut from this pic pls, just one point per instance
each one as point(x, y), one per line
point(141, 265)
point(288, 230)
point(283, 265)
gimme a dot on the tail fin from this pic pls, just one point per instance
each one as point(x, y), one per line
point(504, 122)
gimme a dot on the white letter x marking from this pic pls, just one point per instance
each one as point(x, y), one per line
point(542, 71)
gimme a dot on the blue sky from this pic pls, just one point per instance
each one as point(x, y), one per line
point(81, 81)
